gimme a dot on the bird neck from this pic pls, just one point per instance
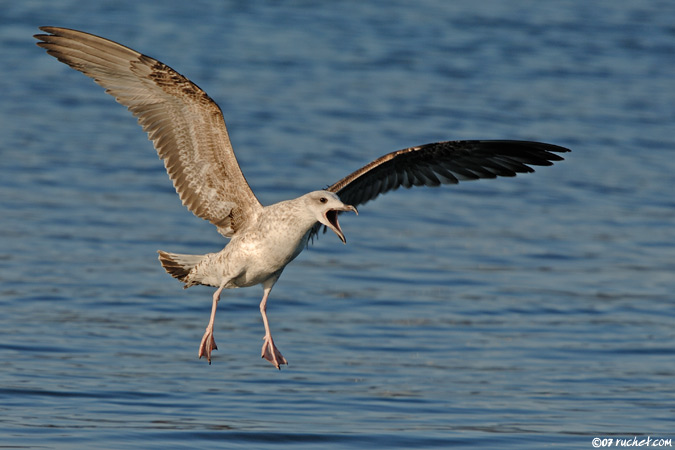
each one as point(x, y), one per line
point(291, 217)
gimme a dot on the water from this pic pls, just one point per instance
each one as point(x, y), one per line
point(522, 313)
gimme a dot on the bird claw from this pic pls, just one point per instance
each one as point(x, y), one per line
point(271, 353)
point(207, 345)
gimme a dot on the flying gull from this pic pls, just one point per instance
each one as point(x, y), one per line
point(188, 131)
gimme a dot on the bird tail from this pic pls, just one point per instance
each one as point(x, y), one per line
point(179, 266)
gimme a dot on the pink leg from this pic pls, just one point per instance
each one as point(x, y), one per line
point(269, 350)
point(208, 343)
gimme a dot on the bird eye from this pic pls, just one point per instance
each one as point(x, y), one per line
point(323, 199)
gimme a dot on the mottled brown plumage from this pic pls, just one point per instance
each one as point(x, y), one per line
point(186, 127)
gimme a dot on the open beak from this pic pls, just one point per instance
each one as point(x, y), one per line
point(332, 220)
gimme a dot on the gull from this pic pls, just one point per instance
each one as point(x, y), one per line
point(188, 131)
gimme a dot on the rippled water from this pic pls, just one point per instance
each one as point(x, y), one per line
point(522, 313)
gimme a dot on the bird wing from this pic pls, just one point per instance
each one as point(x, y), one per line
point(185, 125)
point(443, 163)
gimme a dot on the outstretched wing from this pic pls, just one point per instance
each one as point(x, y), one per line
point(185, 125)
point(443, 163)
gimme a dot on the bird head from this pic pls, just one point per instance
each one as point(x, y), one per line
point(326, 206)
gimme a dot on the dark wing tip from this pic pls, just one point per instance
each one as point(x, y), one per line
point(53, 31)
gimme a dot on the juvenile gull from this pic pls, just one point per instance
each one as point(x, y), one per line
point(188, 131)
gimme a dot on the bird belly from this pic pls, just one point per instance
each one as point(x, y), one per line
point(247, 262)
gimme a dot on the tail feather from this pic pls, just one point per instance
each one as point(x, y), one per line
point(179, 266)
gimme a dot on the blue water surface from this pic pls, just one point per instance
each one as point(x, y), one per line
point(526, 313)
